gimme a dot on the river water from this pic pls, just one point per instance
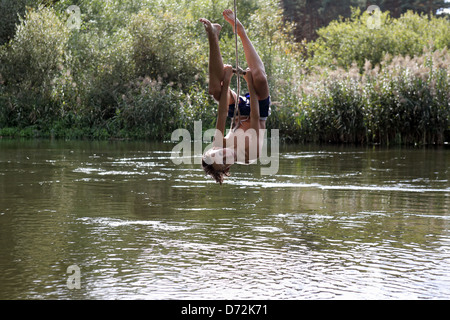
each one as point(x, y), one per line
point(121, 220)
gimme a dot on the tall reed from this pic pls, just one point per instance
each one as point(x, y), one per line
point(402, 100)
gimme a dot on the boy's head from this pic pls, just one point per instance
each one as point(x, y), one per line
point(217, 162)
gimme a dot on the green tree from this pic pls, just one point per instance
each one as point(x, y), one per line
point(353, 40)
point(32, 61)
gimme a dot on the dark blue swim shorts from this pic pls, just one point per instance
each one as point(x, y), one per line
point(244, 107)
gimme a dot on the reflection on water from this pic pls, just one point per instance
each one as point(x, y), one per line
point(334, 223)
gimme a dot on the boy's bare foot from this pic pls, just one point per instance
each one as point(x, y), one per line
point(228, 72)
point(213, 29)
point(229, 17)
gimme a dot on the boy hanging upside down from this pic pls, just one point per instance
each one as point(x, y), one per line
point(242, 146)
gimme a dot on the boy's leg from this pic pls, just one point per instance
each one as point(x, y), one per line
point(216, 66)
point(253, 60)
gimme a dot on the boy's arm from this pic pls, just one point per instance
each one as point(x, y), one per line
point(254, 105)
point(254, 109)
point(223, 111)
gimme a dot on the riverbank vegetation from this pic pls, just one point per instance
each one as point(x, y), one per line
point(138, 70)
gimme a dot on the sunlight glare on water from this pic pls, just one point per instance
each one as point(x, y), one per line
point(333, 223)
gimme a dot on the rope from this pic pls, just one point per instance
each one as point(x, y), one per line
point(237, 112)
